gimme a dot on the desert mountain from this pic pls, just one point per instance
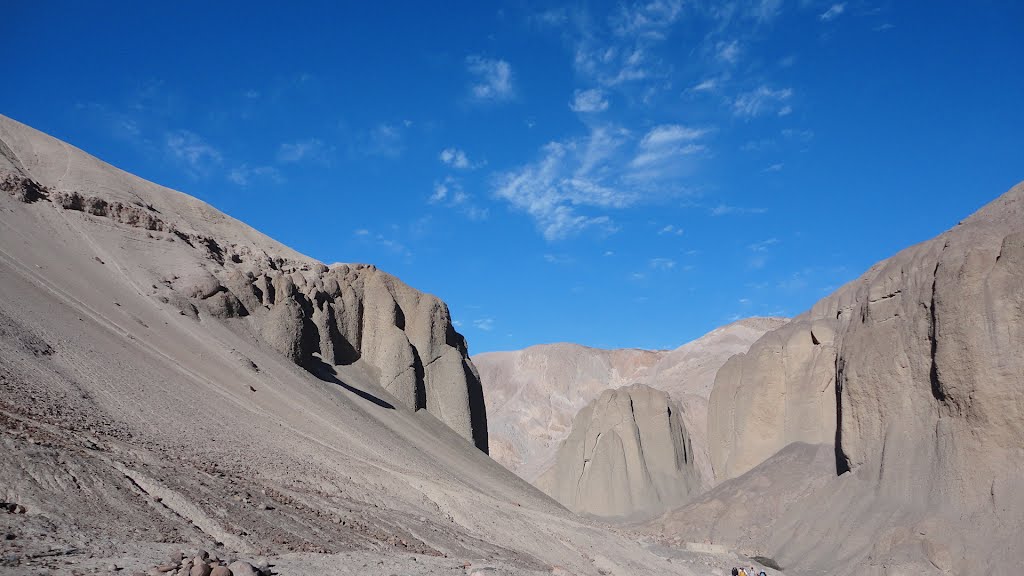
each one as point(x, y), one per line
point(171, 379)
point(628, 454)
point(532, 395)
point(914, 373)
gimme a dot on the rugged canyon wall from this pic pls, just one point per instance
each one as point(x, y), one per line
point(533, 394)
point(628, 454)
point(914, 372)
point(316, 315)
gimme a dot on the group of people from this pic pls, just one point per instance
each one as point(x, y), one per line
point(748, 572)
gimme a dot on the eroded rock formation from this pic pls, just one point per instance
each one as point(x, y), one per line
point(628, 454)
point(914, 371)
point(533, 394)
point(311, 313)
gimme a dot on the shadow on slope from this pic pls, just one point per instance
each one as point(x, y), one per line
point(325, 372)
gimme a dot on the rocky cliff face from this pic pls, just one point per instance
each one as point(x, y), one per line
point(157, 392)
point(533, 394)
point(914, 372)
point(628, 454)
point(315, 315)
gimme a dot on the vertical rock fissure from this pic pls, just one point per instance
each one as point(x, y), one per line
point(842, 462)
point(937, 392)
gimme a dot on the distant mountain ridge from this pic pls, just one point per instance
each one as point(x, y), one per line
point(532, 395)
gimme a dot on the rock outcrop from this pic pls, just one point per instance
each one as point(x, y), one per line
point(533, 394)
point(914, 372)
point(628, 454)
point(311, 313)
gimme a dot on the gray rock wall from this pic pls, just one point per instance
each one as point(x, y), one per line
point(628, 454)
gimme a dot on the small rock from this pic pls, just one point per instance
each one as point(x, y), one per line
point(221, 571)
point(200, 569)
point(9, 536)
point(241, 568)
point(177, 557)
point(202, 554)
point(166, 567)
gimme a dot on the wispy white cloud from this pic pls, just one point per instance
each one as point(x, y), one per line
point(725, 209)
point(193, 152)
point(670, 230)
point(797, 135)
point(455, 158)
point(292, 152)
point(486, 323)
point(766, 10)
point(553, 189)
point(728, 51)
point(389, 242)
point(492, 78)
point(592, 100)
point(662, 264)
point(707, 85)
point(763, 245)
point(665, 143)
point(834, 11)
point(648, 19)
point(777, 167)
point(242, 175)
point(558, 259)
point(611, 168)
point(762, 100)
point(385, 140)
point(449, 193)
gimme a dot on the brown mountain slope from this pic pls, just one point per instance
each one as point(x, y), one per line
point(152, 398)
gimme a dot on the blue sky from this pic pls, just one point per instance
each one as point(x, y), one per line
point(613, 174)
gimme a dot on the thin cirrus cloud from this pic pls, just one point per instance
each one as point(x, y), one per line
point(193, 152)
point(621, 52)
point(763, 100)
point(650, 20)
point(292, 152)
point(492, 78)
point(664, 144)
point(449, 193)
point(834, 11)
point(726, 209)
point(663, 264)
point(607, 170)
point(385, 140)
point(728, 51)
point(707, 85)
point(592, 100)
point(244, 174)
